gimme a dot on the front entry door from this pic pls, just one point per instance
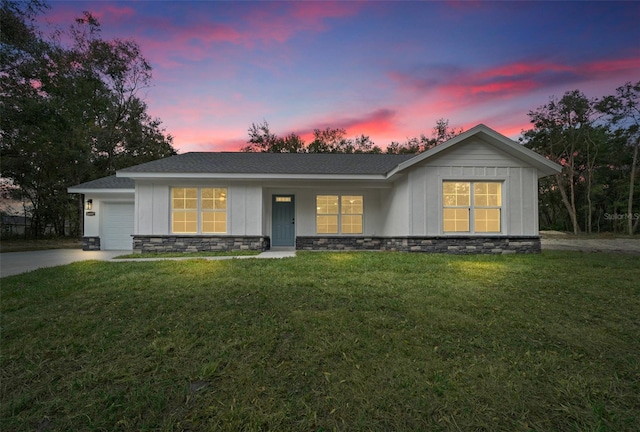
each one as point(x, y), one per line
point(283, 228)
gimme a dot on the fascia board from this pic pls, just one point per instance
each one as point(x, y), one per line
point(249, 176)
point(100, 190)
point(274, 184)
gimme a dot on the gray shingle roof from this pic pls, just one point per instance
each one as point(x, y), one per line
point(111, 182)
point(272, 163)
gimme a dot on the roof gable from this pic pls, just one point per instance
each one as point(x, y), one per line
point(473, 152)
point(500, 142)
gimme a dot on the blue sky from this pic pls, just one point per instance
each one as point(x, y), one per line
point(389, 70)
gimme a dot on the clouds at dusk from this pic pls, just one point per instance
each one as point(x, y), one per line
point(511, 80)
point(388, 70)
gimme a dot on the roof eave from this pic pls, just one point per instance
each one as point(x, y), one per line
point(544, 170)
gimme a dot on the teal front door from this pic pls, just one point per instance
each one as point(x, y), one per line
point(283, 218)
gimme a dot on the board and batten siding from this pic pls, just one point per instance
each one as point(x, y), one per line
point(153, 207)
point(475, 160)
point(151, 215)
point(244, 212)
point(394, 204)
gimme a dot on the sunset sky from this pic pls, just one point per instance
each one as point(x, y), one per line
point(389, 70)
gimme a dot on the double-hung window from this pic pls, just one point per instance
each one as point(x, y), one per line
point(199, 210)
point(339, 214)
point(471, 207)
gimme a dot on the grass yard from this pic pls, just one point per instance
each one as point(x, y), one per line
point(325, 341)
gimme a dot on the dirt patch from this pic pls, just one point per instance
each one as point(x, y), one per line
point(554, 240)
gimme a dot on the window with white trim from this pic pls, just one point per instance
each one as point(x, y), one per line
point(198, 210)
point(339, 214)
point(471, 207)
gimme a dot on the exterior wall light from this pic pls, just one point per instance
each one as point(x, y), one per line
point(89, 204)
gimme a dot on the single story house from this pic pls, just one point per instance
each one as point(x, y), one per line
point(476, 193)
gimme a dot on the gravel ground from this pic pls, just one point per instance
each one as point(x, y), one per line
point(561, 241)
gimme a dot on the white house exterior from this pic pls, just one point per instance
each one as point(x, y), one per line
point(476, 193)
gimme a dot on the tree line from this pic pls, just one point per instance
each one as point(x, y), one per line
point(70, 112)
point(334, 140)
point(596, 141)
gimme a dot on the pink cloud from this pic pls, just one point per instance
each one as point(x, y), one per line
point(478, 96)
point(168, 41)
point(505, 88)
point(209, 33)
point(199, 38)
point(509, 80)
point(281, 21)
point(614, 66)
point(313, 13)
point(376, 123)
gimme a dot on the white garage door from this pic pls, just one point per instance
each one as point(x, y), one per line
point(117, 226)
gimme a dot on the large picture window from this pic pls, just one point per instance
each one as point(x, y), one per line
point(471, 207)
point(339, 214)
point(199, 210)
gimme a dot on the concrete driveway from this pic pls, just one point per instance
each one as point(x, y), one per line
point(626, 245)
point(12, 263)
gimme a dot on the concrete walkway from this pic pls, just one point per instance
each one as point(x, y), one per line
point(13, 263)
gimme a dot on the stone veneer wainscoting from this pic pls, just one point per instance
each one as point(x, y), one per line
point(90, 243)
point(452, 245)
point(152, 243)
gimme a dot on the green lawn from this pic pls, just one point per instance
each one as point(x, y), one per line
point(325, 341)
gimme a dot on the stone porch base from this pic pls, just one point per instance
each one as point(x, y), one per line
point(453, 245)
